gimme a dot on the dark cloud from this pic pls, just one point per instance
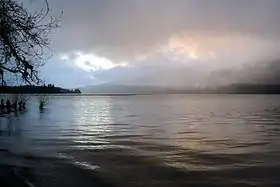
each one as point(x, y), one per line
point(126, 26)
point(134, 31)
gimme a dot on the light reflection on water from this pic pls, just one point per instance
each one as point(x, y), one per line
point(157, 140)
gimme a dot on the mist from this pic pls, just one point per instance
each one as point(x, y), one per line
point(195, 61)
point(173, 44)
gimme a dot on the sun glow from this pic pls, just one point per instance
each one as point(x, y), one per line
point(189, 47)
point(193, 55)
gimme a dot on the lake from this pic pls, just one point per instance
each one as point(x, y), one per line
point(146, 140)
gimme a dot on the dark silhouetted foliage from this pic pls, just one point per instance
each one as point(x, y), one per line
point(24, 37)
point(50, 88)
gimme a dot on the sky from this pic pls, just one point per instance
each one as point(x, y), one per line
point(162, 42)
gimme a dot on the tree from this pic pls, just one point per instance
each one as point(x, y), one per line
point(24, 38)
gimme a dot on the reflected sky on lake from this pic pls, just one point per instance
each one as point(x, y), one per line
point(191, 133)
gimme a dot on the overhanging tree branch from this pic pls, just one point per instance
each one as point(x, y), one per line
point(24, 37)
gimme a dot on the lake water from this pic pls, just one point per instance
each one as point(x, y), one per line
point(152, 140)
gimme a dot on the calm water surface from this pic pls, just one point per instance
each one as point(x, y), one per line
point(159, 140)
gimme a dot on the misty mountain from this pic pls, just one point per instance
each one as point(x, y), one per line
point(229, 89)
point(120, 89)
point(184, 77)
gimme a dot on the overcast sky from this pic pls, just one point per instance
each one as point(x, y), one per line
point(130, 40)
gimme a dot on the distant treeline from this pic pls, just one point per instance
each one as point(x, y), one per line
point(250, 89)
point(234, 89)
point(50, 88)
point(229, 89)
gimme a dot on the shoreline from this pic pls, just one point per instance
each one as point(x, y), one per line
point(27, 170)
point(10, 177)
point(13, 173)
